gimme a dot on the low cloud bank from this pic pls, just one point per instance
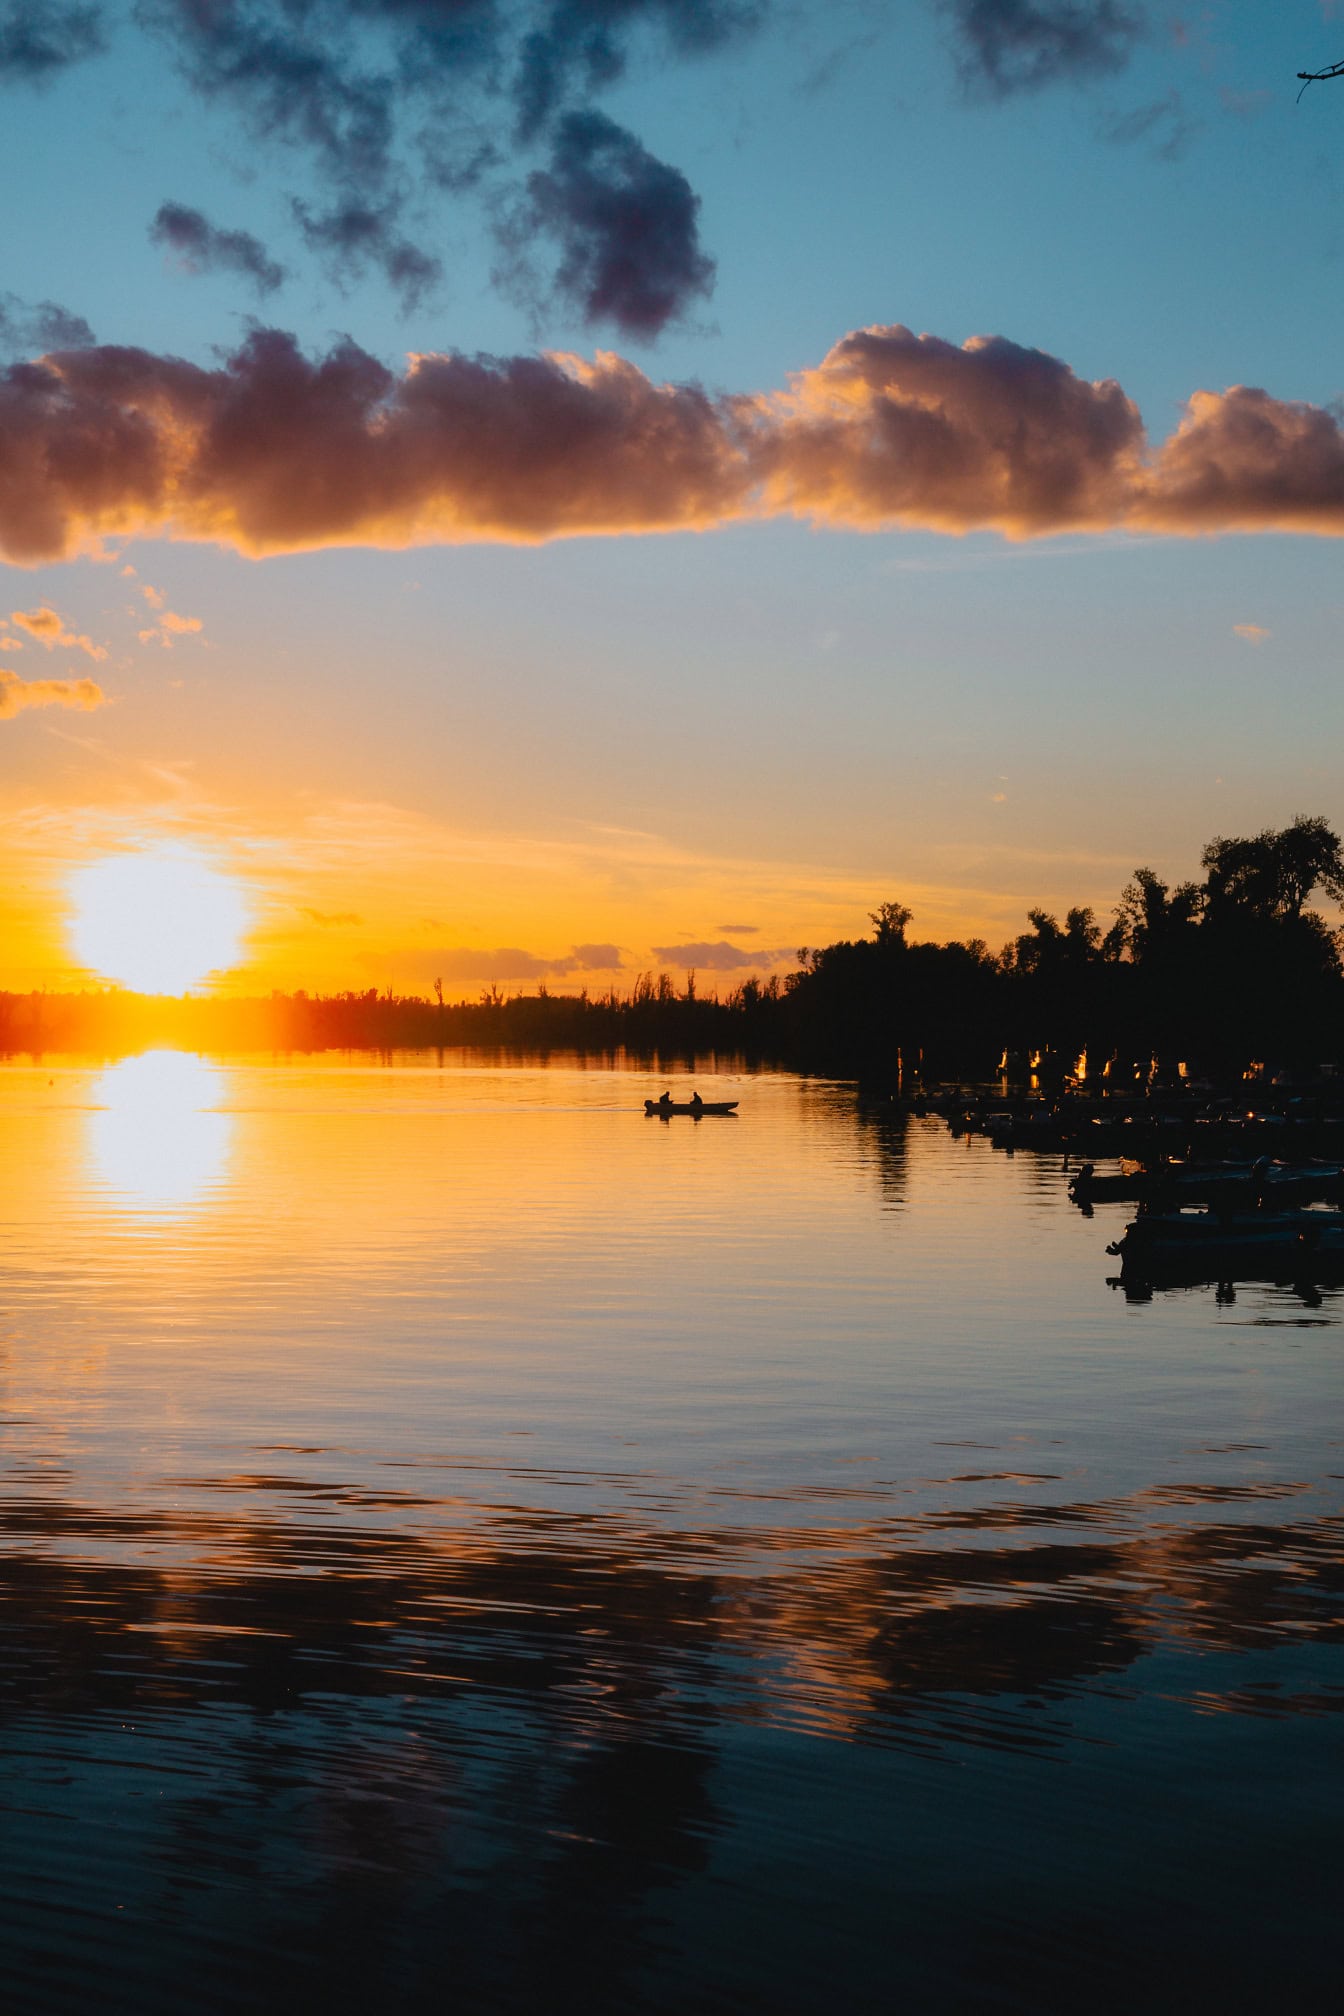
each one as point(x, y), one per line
point(273, 451)
point(512, 963)
point(720, 956)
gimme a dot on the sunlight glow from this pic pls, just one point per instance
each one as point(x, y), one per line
point(157, 922)
point(151, 1142)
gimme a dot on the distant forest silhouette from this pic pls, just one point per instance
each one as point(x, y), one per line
point(1217, 974)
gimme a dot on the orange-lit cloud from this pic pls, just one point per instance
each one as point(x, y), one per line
point(46, 627)
point(169, 626)
point(16, 695)
point(274, 452)
point(1251, 633)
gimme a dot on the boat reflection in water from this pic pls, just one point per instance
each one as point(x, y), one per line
point(156, 1139)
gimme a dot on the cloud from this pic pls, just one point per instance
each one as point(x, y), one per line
point(739, 930)
point(27, 331)
point(1246, 462)
point(1004, 46)
point(202, 247)
point(169, 626)
point(40, 38)
point(893, 428)
point(377, 96)
point(271, 451)
point(46, 628)
point(505, 962)
point(354, 236)
point(576, 46)
point(330, 918)
point(624, 222)
point(1164, 123)
point(335, 77)
point(294, 73)
point(1252, 633)
point(718, 957)
point(18, 694)
point(480, 966)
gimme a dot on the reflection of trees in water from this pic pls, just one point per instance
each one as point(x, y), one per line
point(883, 1130)
point(465, 1763)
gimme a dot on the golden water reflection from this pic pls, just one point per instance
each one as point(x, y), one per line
point(156, 1139)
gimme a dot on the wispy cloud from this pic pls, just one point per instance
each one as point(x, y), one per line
point(41, 38)
point(32, 328)
point(1006, 46)
point(352, 237)
point(1251, 633)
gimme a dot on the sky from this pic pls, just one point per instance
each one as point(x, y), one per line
point(539, 490)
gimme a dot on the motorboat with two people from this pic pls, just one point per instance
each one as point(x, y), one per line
point(697, 1107)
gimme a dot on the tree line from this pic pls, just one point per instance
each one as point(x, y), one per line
point(1216, 973)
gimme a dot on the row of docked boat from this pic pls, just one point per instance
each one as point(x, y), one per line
point(1217, 1245)
point(1165, 1184)
point(1235, 1127)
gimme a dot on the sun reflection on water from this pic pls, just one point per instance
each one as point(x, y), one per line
point(154, 1141)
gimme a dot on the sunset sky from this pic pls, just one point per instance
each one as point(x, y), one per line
point(539, 491)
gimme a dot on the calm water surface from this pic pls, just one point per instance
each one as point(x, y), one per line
point(470, 1547)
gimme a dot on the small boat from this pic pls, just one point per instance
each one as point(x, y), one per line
point(720, 1106)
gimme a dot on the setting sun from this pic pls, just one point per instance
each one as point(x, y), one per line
point(159, 921)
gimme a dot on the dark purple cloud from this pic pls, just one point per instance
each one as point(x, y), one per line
point(293, 72)
point(576, 47)
point(380, 94)
point(40, 38)
point(624, 224)
point(31, 329)
point(1003, 46)
point(202, 247)
point(352, 237)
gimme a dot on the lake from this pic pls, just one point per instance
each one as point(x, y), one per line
point(471, 1546)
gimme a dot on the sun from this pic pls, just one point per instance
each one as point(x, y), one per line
point(158, 921)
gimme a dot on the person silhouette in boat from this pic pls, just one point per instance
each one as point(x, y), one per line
point(697, 1103)
point(665, 1103)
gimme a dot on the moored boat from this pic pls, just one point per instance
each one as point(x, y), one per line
point(1218, 1243)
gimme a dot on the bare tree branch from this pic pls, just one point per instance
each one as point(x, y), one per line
point(1319, 76)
